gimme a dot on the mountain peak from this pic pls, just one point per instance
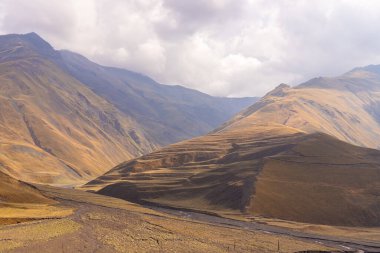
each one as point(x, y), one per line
point(375, 69)
point(279, 90)
point(283, 85)
point(25, 45)
point(31, 37)
point(37, 40)
point(32, 34)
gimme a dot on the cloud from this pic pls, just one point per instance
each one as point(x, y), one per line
point(45, 16)
point(222, 47)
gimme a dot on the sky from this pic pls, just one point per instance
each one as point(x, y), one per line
point(222, 47)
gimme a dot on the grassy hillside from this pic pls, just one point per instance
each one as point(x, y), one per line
point(53, 129)
point(21, 202)
point(14, 191)
point(262, 170)
point(58, 130)
point(347, 107)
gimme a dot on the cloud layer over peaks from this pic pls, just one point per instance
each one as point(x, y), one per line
point(222, 47)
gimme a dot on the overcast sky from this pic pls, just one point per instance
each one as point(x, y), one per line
point(221, 47)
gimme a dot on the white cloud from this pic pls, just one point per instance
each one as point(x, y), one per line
point(223, 47)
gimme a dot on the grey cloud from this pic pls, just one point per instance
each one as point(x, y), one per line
point(223, 47)
point(49, 17)
point(193, 15)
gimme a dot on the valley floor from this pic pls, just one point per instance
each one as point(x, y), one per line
point(104, 224)
point(344, 238)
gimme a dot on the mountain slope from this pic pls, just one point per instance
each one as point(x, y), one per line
point(280, 158)
point(13, 191)
point(347, 107)
point(53, 129)
point(263, 170)
point(168, 113)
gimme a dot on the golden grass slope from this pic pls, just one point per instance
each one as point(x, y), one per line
point(53, 129)
point(347, 107)
point(14, 191)
point(65, 120)
point(21, 202)
point(267, 170)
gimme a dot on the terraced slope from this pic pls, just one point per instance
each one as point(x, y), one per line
point(347, 107)
point(267, 170)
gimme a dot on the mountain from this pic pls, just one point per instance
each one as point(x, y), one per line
point(53, 129)
point(347, 107)
point(56, 129)
point(168, 113)
point(289, 156)
point(272, 171)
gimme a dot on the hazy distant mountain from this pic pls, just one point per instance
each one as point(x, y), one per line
point(55, 129)
point(274, 159)
point(168, 113)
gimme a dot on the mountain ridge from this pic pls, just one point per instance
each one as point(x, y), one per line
point(293, 155)
point(346, 107)
point(172, 113)
point(54, 128)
